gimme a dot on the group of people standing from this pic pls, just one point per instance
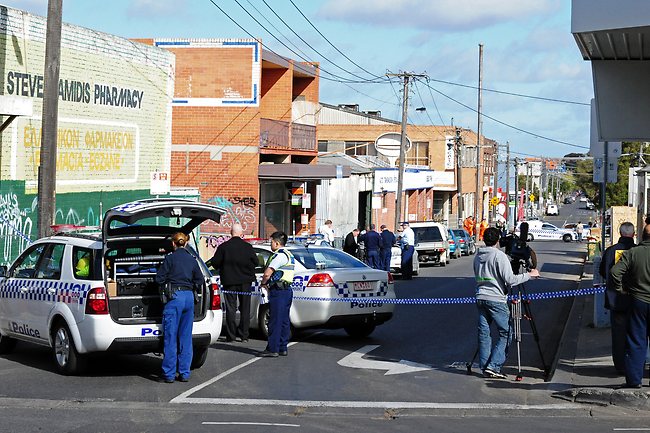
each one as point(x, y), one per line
point(235, 260)
point(377, 247)
point(470, 225)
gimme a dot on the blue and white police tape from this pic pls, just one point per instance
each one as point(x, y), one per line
point(443, 301)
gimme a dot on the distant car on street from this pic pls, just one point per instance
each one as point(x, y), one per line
point(552, 209)
point(454, 245)
point(396, 261)
point(583, 199)
point(465, 242)
point(590, 206)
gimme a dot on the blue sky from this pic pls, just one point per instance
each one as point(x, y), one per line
point(528, 49)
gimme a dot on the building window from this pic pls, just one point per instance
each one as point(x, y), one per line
point(322, 145)
point(418, 154)
point(468, 157)
point(357, 148)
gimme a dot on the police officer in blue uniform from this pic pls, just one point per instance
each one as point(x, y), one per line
point(277, 278)
point(182, 274)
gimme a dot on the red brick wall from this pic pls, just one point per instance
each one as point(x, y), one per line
point(276, 94)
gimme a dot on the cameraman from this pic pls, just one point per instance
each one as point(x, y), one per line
point(494, 276)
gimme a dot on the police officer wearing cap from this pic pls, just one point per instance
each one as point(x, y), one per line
point(181, 271)
point(277, 278)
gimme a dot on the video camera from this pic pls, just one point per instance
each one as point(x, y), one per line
point(518, 250)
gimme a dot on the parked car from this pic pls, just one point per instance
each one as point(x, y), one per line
point(552, 209)
point(329, 276)
point(79, 294)
point(396, 261)
point(431, 242)
point(586, 229)
point(465, 241)
point(583, 199)
point(454, 245)
point(590, 206)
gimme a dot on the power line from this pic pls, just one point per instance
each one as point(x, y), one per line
point(340, 78)
point(314, 49)
point(521, 95)
point(507, 124)
point(333, 46)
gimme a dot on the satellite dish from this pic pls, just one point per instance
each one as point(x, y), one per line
point(388, 145)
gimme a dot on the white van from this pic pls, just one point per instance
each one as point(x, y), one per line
point(431, 242)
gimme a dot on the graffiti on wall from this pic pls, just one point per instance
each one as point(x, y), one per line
point(210, 243)
point(15, 226)
point(240, 210)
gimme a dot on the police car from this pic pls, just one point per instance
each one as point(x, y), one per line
point(79, 293)
point(331, 290)
point(540, 230)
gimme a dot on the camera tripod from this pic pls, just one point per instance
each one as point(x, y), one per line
point(519, 309)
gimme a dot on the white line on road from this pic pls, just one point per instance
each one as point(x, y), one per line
point(374, 404)
point(272, 424)
point(633, 429)
point(184, 396)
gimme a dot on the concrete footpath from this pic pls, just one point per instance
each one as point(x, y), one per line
point(585, 371)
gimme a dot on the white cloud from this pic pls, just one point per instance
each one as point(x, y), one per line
point(435, 15)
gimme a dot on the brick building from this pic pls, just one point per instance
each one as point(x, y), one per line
point(244, 134)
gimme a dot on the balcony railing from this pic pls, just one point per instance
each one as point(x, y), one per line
point(276, 134)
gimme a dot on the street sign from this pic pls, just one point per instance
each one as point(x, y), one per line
point(159, 183)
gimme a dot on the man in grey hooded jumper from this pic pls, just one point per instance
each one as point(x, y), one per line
point(494, 276)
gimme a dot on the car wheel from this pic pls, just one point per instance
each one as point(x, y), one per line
point(7, 344)
point(67, 359)
point(199, 357)
point(360, 331)
point(567, 238)
point(263, 322)
point(530, 238)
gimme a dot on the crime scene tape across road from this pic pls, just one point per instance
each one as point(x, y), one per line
point(444, 301)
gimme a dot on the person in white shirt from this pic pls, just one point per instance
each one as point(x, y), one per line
point(327, 231)
point(408, 247)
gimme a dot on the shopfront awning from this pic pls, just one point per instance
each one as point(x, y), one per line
point(302, 172)
point(615, 37)
point(12, 107)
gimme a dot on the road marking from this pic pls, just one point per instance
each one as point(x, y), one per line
point(272, 424)
point(356, 360)
point(182, 397)
point(377, 404)
point(632, 429)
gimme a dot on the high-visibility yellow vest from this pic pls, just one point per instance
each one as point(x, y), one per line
point(287, 270)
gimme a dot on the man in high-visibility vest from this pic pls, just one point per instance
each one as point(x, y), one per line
point(277, 278)
point(468, 224)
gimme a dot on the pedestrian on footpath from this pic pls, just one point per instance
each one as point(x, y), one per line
point(631, 275)
point(617, 303)
point(386, 250)
point(277, 279)
point(494, 276)
point(235, 260)
point(182, 274)
point(372, 242)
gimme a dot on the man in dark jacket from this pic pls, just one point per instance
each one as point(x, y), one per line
point(385, 252)
point(236, 260)
point(351, 243)
point(633, 270)
point(373, 243)
point(618, 304)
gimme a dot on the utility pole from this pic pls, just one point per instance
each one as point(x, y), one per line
point(49, 123)
point(516, 212)
point(528, 188)
point(507, 182)
point(402, 148)
point(458, 141)
point(479, 189)
point(495, 176)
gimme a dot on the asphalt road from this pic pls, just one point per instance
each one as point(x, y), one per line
point(329, 381)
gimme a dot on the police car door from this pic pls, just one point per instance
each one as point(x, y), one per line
point(18, 295)
point(549, 231)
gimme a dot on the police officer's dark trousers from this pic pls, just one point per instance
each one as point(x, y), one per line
point(636, 345)
point(178, 317)
point(279, 329)
point(407, 262)
point(243, 296)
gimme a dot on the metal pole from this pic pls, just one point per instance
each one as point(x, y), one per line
point(479, 189)
point(516, 212)
point(47, 164)
point(603, 200)
point(402, 155)
point(459, 176)
point(508, 182)
point(495, 179)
